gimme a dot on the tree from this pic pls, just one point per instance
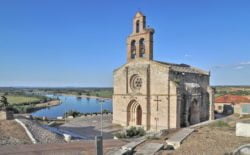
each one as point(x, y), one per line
point(4, 103)
point(88, 94)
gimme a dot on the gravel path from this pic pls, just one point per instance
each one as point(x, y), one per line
point(42, 135)
point(4, 140)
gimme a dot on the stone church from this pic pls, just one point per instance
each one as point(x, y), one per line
point(158, 95)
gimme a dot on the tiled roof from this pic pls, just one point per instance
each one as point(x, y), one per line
point(232, 99)
point(184, 68)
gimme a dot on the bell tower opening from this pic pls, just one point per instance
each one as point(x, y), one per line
point(142, 47)
point(140, 42)
point(133, 49)
point(137, 26)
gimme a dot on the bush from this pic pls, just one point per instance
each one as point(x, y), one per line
point(131, 132)
point(21, 109)
point(141, 132)
point(105, 111)
point(220, 124)
point(120, 135)
point(72, 113)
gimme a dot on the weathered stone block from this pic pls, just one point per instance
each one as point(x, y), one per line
point(243, 129)
point(176, 140)
point(6, 115)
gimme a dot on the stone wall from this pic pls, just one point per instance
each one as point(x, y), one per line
point(160, 95)
point(154, 87)
point(198, 90)
point(6, 115)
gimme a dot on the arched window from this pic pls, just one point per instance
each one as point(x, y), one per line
point(137, 26)
point(133, 49)
point(142, 47)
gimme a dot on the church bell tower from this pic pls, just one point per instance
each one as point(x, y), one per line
point(140, 42)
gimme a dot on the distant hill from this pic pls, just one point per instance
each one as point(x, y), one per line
point(232, 90)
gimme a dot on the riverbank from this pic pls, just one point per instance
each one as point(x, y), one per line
point(48, 104)
point(33, 107)
point(86, 96)
point(94, 97)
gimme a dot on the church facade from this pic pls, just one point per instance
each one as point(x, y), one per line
point(158, 95)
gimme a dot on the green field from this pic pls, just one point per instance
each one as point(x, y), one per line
point(102, 93)
point(22, 99)
point(232, 90)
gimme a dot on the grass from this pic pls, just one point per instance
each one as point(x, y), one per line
point(98, 93)
point(102, 93)
point(15, 100)
point(220, 124)
point(24, 103)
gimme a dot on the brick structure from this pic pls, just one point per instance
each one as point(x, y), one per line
point(158, 95)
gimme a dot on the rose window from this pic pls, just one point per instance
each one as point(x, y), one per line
point(136, 82)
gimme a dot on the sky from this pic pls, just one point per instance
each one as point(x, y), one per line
point(78, 43)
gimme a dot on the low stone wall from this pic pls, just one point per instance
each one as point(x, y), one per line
point(243, 129)
point(6, 115)
point(69, 117)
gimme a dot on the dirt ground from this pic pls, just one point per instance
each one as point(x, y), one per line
point(214, 139)
point(12, 133)
point(74, 148)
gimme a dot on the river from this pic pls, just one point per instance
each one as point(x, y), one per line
point(84, 105)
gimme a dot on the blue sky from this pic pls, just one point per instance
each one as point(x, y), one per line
point(80, 42)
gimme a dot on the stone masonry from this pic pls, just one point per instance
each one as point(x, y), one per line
point(158, 95)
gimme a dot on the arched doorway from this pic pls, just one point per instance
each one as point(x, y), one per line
point(134, 113)
point(194, 112)
point(138, 115)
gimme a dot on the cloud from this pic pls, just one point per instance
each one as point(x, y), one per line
point(245, 63)
point(187, 55)
point(238, 66)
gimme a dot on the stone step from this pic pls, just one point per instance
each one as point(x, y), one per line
point(128, 148)
point(176, 140)
point(118, 152)
point(149, 149)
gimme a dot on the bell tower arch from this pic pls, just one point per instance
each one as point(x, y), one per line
point(140, 42)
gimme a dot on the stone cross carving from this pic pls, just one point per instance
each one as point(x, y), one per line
point(157, 102)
